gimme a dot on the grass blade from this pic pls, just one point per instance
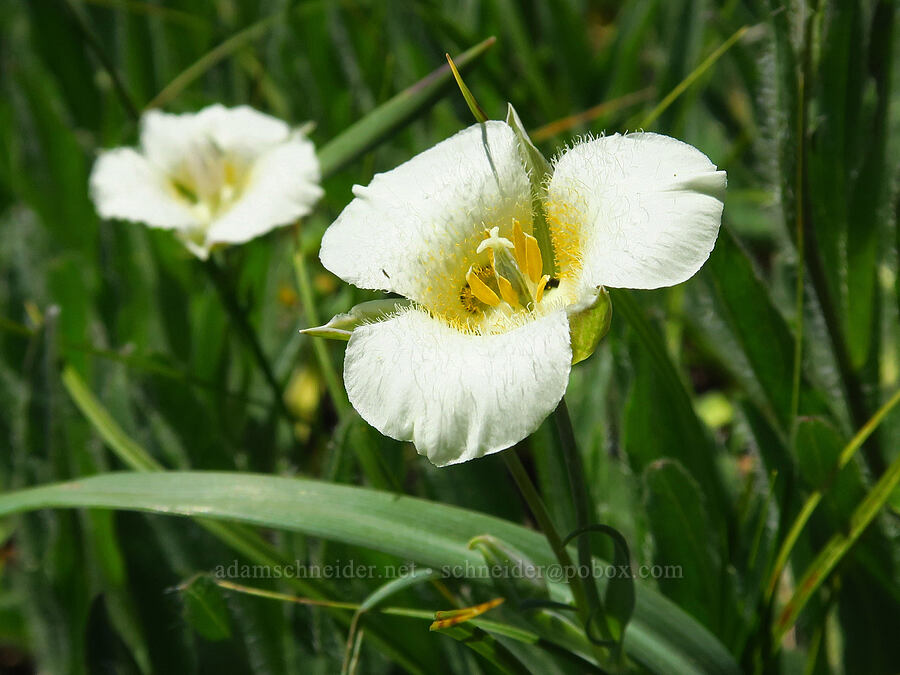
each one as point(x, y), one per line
point(391, 116)
point(660, 635)
point(813, 500)
point(836, 548)
point(682, 86)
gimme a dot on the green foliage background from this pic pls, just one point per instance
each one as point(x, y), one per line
point(701, 440)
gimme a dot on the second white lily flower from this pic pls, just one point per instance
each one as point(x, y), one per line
point(483, 354)
point(219, 176)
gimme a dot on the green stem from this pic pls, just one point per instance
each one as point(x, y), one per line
point(542, 516)
point(307, 299)
point(238, 316)
point(857, 404)
point(575, 469)
point(798, 300)
point(366, 453)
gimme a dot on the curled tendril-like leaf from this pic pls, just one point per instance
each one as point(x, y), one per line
point(619, 599)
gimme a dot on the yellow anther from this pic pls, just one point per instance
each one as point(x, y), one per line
point(481, 290)
point(534, 264)
point(542, 284)
point(519, 244)
point(506, 290)
point(230, 171)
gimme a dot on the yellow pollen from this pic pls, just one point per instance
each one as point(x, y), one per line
point(542, 284)
point(481, 290)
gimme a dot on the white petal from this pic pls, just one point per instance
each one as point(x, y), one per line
point(242, 130)
point(646, 207)
point(457, 396)
point(167, 139)
point(283, 185)
point(412, 228)
point(125, 185)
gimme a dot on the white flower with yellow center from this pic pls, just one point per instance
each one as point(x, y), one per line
point(481, 354)
point(219, 176)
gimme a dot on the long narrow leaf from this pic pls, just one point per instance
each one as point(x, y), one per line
point(660, 636)
point(391, 116)
point(837, 548)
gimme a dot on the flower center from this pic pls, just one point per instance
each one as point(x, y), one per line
point(513, 276)
point(209, 178)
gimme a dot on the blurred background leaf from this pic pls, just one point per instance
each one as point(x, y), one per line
point(699, 444)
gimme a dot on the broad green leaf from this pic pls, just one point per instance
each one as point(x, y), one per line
point(517, 577)
point(660, 420)
point(870, 193)
point(685, 537)
point(660, 636)
point(746, 306)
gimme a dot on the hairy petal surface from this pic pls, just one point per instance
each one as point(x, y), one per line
point(125, 185)
point(414, 230)
point(642, 210)
point(457, 396)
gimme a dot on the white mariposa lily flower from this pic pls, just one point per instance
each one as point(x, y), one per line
point(483, 354)
point(218, 176)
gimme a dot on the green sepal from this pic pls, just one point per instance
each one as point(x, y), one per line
point(517, 578)
point(341, 326)
point(476, 110)
point(589, 326)
point(538, 169)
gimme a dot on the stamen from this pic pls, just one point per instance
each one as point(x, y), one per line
point(528, 253)
point(542, 284)
point(534, 264)
point(506, 290)
point(231, 173)
point(481, 290)
point(519, 243)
